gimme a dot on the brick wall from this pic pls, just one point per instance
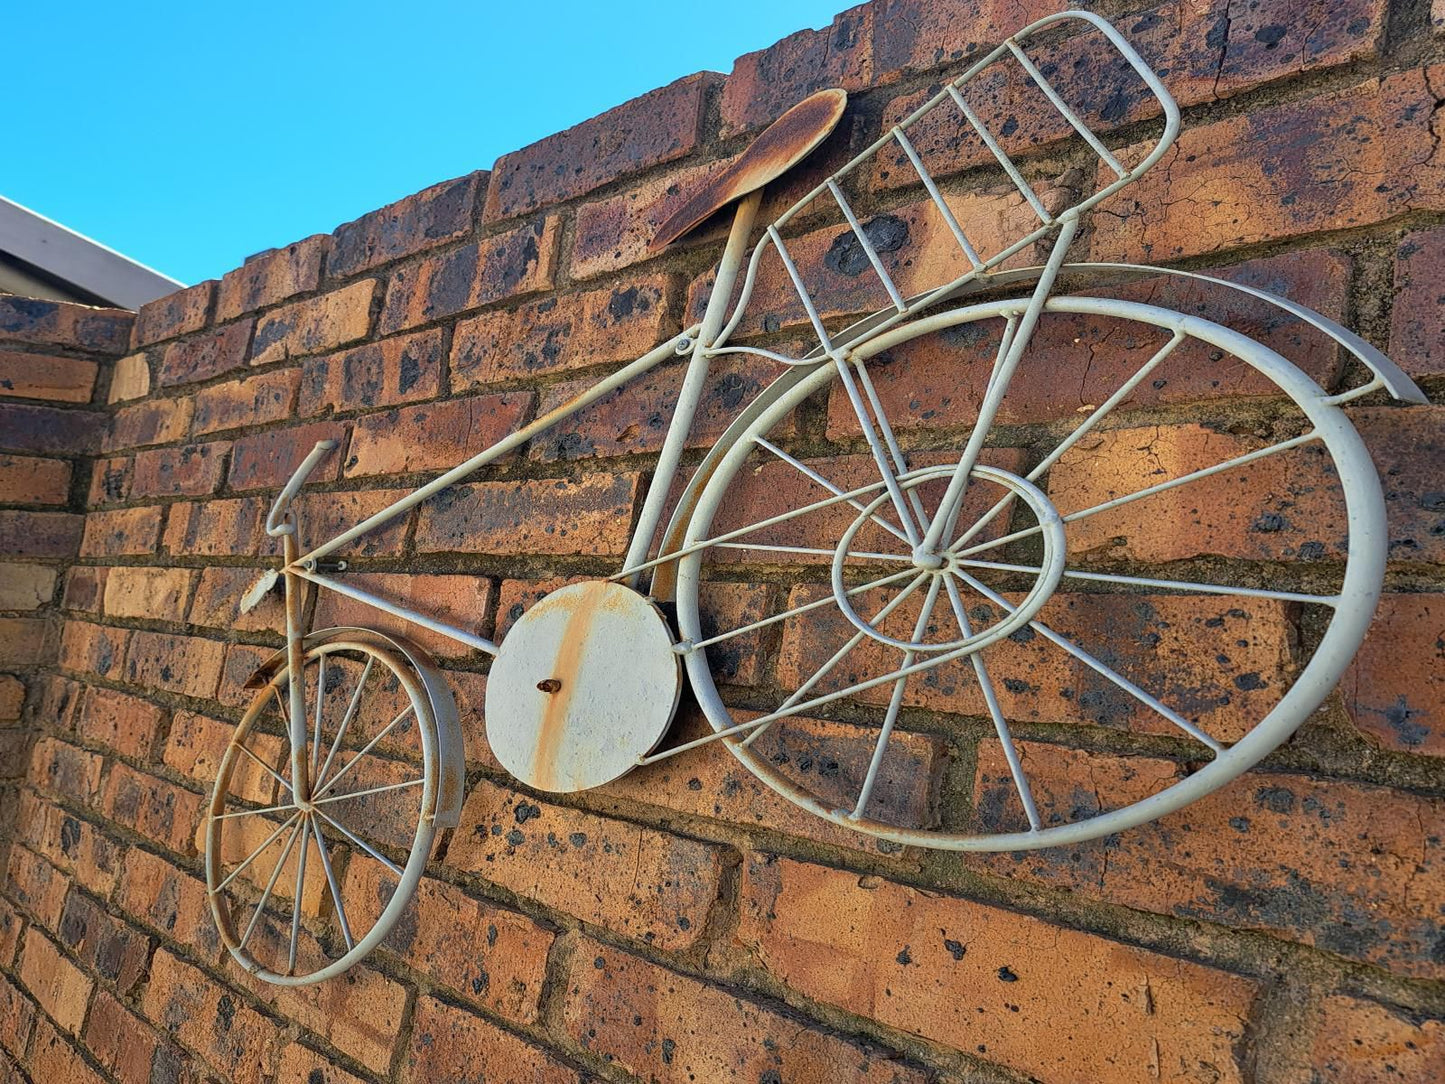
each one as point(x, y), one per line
point(704, 931)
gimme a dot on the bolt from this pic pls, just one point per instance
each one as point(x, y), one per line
point(550, 685)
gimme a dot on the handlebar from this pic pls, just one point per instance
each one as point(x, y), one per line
point(274, 527)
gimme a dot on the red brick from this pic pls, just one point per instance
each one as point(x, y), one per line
point(518, 261)
point(217, 602)
point(404, 369)
point(12, 697)
point(1277, 39)
point(1348, 868)
point(206, 356)
point(302, 1066)
point(49, 430)
point(104, 945)
point(970, 976)
point(126, 531)
point(157, 593)
point(315, 326)
point(52, 1057)
point(61, 323)
point(17, 1017)
point(268, 459)
point(120, 1041)
point(764, 84)
point(1395, 687)
point(158, 810)
point(93, 649)
point(448, 1044)
point(578, 862)
point(40, 534)
point(191, 470)
point(432, 435)
point(490, 956)
point(827, 758)
point(634, 419)
point(171, 901)
point(434, 216)
point(37, 886)
point(1338, 161)
point(25, 586)
point(258, 400)
point(463, 601)
point(325, 515)
point(242, 660)
point(196, 744)
point(175, 314)
point(42, 376)
point(218, 528)
point(662, 1026)
point(60, 988)
point(25, 480)
point(659, 126)
point(65, 770)
point(615, 231)
point(188, 665)
point(1357, 1042)
point(127, 724)
point(209, 1019)
point(592, 516)
point(916, 247)
point(111, 480)
point(1417, 330)
point(12, 925)
point(1406, 444)
point(560, 334)
point(84, 588)
point(130, 378)
point(271, 277)
point(73, 844)
point(157, 421)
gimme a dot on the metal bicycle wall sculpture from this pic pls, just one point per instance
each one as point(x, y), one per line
point(895, 566)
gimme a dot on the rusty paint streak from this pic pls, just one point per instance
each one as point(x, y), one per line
point(785, 143)
point(554, 716)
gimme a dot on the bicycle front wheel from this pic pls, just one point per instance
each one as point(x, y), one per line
point(303, 889)
point(1170, 544)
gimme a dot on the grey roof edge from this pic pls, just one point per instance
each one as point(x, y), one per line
point(76, 259)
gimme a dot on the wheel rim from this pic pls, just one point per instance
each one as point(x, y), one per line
point(350, 855)
point(1351, 598)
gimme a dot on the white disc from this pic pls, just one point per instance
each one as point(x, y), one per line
point(586, 682)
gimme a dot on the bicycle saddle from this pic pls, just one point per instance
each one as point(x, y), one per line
point(781, 146)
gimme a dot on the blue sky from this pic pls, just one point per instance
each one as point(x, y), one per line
point(190, 135)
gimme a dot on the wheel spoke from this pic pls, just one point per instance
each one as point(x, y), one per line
point(385, 861)
point(1000, 724)
point(369, 790)
point(1098, 667)
point(900, 461)
point(331, 881)
point(895, 702)
point(1077, 434)
point(383, 732)
point(880, 456)
point(320, 699)
point(1128, 498)
point(796, 610)
point(1172, 585)
point(253, 812)
point(256, 853)
point(271, 882)
point(842, 653)
point(814, 476)
point(268, 769)
point(345, 722)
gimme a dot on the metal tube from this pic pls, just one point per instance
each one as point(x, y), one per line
point(439, 627)
point(653, 358)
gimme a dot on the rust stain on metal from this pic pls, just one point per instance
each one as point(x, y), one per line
point(785, 143)
point(569, 659)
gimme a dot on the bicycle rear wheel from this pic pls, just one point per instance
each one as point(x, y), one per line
point(1127, 558)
